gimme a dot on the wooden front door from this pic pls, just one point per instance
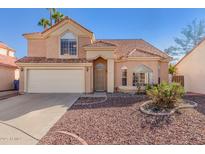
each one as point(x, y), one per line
point(100, 78)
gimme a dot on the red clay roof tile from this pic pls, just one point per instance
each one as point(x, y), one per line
point(125, 46)
point(50, 60)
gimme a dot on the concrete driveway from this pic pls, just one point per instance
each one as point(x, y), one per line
point(26, 118)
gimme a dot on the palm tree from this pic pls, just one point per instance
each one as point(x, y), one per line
point(44, 22)
point(51, 12)
point(57, 16)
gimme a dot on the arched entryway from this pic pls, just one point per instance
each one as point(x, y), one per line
point(100, 74)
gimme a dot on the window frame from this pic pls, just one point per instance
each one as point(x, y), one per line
point(68, 55)
point(136, 79)
point(123, 77)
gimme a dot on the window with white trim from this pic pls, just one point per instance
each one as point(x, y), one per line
point(138, 78)
point(124, 77)
point(68, 44)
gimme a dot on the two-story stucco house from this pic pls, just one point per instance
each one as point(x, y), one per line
point(66, 58)
point(8, 68)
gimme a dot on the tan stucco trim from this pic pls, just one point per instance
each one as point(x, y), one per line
point(110, 75)
point(138, 59)
point(53, 64)
point(106, 54)
point(143, 58)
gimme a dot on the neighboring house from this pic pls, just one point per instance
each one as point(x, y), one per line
point(8, 68)
point(68, 58)
point(192, 67)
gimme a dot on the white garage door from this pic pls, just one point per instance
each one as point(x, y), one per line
point(56, 81)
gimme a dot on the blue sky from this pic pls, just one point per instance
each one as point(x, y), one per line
point(157, 26)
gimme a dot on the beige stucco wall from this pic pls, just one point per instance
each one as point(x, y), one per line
point(193, 69)
point(50, 46)
point(164, 71)
point(130, 66)
point(82, 41)
point(36, 48)
point(99, 53)
point(7, 76)
point(53, 47)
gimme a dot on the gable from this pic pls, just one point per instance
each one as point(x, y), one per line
point(67, 24)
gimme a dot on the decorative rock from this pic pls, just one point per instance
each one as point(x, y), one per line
point(190, 104)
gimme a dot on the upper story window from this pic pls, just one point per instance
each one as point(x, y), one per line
point(68, 44)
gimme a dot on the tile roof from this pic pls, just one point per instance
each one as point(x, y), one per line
point(7, 61)
point(125, 46)
point(140, 53)
point(101, 44)
point(50, 60)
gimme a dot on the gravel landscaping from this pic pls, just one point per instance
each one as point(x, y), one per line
point(119, 121)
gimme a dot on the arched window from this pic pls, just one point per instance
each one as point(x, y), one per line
point(142, 75)
point(68, 44)
point(124, 75)
point(100, 66)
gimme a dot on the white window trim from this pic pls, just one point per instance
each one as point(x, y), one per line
point(123, 69)
point(68, 56)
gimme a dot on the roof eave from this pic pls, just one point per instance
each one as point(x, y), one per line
point(99, 48)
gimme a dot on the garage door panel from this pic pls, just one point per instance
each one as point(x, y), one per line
point(56, 81)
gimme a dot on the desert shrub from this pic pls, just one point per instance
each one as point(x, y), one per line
point(150, 86)
point(165, 95)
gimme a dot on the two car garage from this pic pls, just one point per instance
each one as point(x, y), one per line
point(57, 80)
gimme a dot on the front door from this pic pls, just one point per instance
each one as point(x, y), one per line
point(100, 76)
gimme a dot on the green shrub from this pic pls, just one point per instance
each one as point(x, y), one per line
point(166, 95)
point(150, 86)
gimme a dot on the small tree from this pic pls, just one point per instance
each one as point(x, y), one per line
point(172, 69)
point(192, 34)
point(165, 96)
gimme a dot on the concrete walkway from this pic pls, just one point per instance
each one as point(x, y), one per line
point(27, 118)
point(95, 94)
